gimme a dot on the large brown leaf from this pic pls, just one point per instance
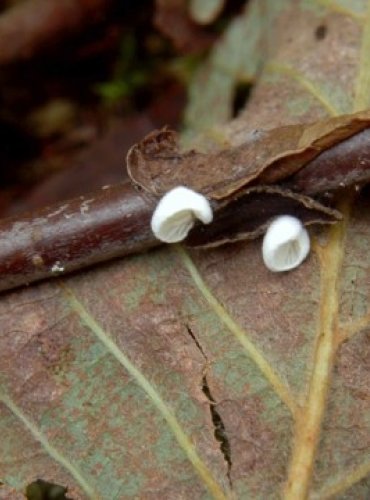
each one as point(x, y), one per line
point(199, 375)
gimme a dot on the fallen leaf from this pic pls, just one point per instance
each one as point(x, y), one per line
point(201, 374)
point(157, 165)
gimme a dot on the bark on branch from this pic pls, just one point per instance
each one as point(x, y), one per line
point(115, 222)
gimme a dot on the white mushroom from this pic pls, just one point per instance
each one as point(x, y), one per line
point(176, 213)
point(286, 244)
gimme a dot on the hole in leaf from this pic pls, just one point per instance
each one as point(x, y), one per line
point(242, 93)
point(321, 32)
point(43, 490)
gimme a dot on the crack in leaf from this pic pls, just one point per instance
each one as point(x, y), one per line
point(281, 389)
point(197, 343)
point(277, 67)
point(308, 426)
point(49, 448)
point(219, 426)
point(183, 440)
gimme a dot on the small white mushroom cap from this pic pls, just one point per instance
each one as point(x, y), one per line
point(286, 244)
point(176, 213)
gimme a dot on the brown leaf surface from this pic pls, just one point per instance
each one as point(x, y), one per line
point(203, 375)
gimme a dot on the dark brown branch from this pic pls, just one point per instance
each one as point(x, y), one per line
point(31, 25)
point(346, 164)
point(116, 221)
point(75, 234)
point(247, 214)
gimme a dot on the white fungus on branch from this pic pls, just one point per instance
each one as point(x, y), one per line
point(286, 244)
point(177, 212)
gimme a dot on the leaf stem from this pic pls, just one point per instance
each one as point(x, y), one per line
point(308, 425)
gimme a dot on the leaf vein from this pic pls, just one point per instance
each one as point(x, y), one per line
point(343, 483)
point(350, 329)
point(308, 426)
point(49, 448)
point(310, 87)
point(334, 7)
point(151, 391)
point(273, 378)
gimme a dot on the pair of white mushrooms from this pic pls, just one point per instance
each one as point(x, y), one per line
point(285, 245)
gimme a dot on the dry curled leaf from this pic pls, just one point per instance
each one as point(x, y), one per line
point(157, 165)
point(202, 374)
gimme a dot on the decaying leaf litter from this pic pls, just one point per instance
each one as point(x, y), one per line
point(283, 357)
